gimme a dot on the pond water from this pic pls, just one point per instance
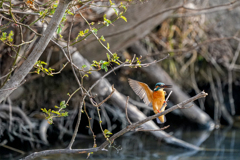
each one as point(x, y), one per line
point(220, 144)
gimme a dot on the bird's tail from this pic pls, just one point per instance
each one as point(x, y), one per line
point(161, 119)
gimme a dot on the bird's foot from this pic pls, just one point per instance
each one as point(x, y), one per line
point(158, 111)
point(165, 103)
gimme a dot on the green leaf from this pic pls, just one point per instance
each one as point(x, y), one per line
point(115, 56)
point(105, 63)
point(4, 36)
point(94, 30)
point(52, 11)
point(86, 31)
point(105, 68)
point(95, 62)
point(102, 38)
point(44, 110)
point(106, 21)
point(63, 104)
point(116, 62)
point(64, 18)
point(124, 18)
point(10, 35)
point(106, 132)
point(56, 112)
point(84, 66)
point(108, 46)
point(108, 56)
point(110, 2)
point(69, 12)
point(55, 5)
point(116, 11)
point(59, 29)
point(65, 114)
point(50, 69)
point(102, 66)
point(41, 13)
point(123, 6)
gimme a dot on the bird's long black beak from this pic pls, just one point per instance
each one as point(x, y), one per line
point(167, 86)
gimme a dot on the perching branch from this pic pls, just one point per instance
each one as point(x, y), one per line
point(134, 125)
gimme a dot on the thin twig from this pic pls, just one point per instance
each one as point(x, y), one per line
point(90, 127)
point(14, 67)
point(20, 12)
point(126, 111)
point(83, 6)
point(13, 149)
point(168, 96)
point(165, 104)
point(146, 64)
point(110, 95)
point(185, 107)
point(149, 130)
point(13, 88)
point(20, 24)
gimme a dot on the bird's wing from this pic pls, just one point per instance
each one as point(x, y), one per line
point(142, 90)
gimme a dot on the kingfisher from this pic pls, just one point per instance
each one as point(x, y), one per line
point(156, 97)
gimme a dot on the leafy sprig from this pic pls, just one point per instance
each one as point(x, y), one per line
point(39, 65)
point(50, 114)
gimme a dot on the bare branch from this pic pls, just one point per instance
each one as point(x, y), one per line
point(21, 12)
point(126, 111)
point(113, 89)
point(60, 151)
point(149, 130)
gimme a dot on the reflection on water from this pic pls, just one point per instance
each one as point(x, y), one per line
point(219, 144)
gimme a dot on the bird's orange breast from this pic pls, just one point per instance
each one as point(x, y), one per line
point(157, 104)
point(158, 100)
